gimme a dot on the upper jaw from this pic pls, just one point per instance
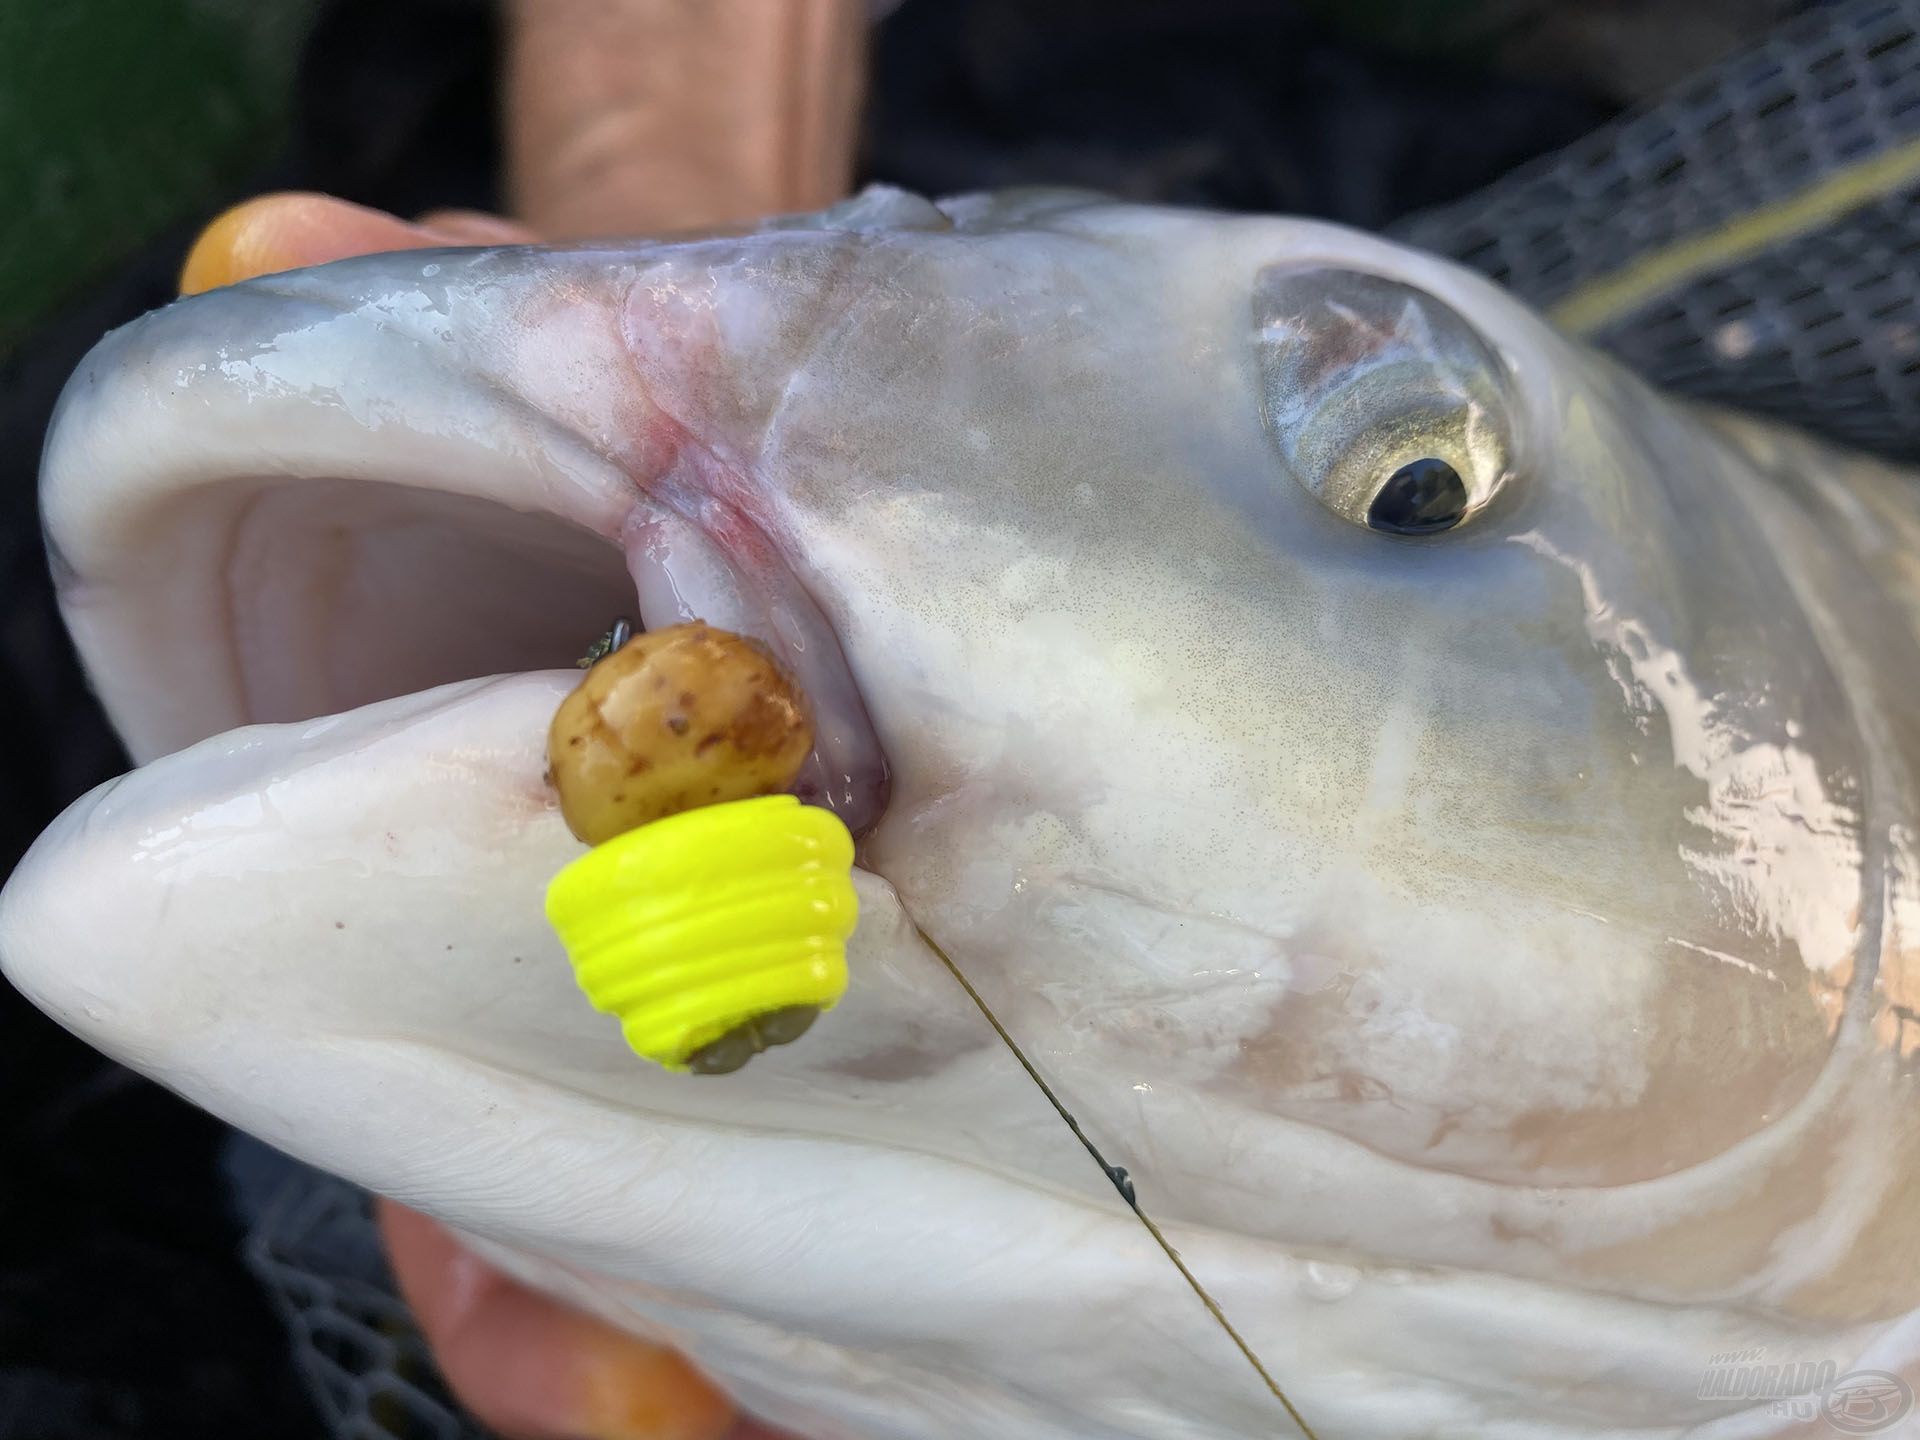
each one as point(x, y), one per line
point(312, 492)
point(209, 470)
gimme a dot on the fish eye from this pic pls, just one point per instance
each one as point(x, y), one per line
point(1422, 497)
point(1383, 402)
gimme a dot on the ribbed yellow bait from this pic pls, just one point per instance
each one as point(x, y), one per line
point(691, 926)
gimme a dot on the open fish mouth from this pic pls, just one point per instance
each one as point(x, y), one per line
point(340, 515)
point(285, 530)
point(281, 557)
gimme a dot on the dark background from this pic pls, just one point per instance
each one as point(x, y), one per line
point(124, 1310)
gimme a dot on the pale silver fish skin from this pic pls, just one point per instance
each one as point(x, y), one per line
point(1492, 956)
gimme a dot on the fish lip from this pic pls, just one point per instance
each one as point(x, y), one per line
point(695, 556)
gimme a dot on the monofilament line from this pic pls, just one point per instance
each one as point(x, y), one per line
point(1124, 1186)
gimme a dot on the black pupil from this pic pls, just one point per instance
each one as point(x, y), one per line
point(1419, 498)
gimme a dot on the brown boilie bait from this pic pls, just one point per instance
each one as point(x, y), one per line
point(671, 720)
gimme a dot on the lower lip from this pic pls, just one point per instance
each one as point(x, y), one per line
point(681, 573)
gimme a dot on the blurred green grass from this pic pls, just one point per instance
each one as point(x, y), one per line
point(120, 118)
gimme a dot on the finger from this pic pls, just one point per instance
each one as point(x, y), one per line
point(271, 233)
point(534, 1369)
point(476, 227)
point(644, 116)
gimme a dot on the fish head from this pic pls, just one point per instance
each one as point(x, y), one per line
point(1424, 808)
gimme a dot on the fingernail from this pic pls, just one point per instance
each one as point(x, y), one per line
point(632, 1390)
point(228, 250)
point(271, 233)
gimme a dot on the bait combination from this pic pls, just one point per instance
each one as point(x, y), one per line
point(711, 917)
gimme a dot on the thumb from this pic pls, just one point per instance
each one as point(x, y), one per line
point(271, 233)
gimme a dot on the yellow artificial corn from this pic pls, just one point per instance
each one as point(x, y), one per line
point(691, 926)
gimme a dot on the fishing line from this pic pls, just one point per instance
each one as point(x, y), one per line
point(1121, 1183)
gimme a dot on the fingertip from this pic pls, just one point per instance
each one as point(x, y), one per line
point(289, 230)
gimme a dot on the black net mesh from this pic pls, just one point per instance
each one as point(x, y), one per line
point(1753, 238)
point(317, 1253)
